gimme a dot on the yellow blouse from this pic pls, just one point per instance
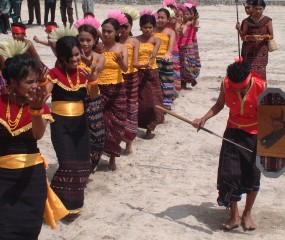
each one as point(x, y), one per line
point(131, 68)
point(164, 44)
point(111, 73)
point(145, 52)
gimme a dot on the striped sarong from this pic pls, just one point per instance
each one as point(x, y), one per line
point(94, 114)
point(149, 95)
point(176, 72)
point(114, 110)
point(131, 81)
point(237, 173)
point(190, 63)
point(165, 70)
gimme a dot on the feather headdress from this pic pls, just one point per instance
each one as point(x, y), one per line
point(119, 16)
point(60, 32)
point(171, 12)
point(167, 3)
point(88, 21)
point(193, 2)
point(132, 12)
point(12, 48)
point(188, 5)
point(148, 12)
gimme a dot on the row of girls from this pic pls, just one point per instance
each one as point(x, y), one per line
point(101, 93)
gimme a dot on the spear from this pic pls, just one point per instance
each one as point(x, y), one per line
point(204, 129)
point(238, 31)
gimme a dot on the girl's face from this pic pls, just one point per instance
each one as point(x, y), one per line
point(248, 9)
point(257, 11)
point(179, 16)
point(74, 60)
point(187, 15)
point(125, 30)
point(86, 41)
point(147, 29)
point(162, 19)
point(108, 32)
point(24, 85)
point(18, 36)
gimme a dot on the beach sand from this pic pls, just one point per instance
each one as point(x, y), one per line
point(167, 188)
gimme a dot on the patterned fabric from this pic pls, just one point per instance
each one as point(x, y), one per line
point(237, 173)
point(165, 70)
point(114, 110)
point(272, 164)
point(149, 95)
point(256, 53)
point(176, 72)
point(94, 114)
point(190, 63)
point(131, 83)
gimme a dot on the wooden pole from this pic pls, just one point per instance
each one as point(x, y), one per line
point(238, 31)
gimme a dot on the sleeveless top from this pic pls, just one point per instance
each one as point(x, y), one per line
point(187, 38)
point(145, 51)
point(243, 112)
point(164, 44)
point(111, 73)
point(131, 68)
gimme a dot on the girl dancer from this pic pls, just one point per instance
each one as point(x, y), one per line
point(70, 132)
point(164, 56)
point(131, 78)
point(111, 84)
point(188, 47)
point(88, 37)
point(150, 93)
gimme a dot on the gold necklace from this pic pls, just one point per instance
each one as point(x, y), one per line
point(76, 87)
point(13, 124)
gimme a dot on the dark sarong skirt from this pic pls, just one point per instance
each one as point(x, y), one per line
point(150, 94)
point(114, 110)
point(237, 173)
point(23, 194)
point(71, 142)
point(131, 84)
point(94, 113)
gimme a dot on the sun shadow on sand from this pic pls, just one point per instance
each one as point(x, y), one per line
point(51, 170)
point(205, 213)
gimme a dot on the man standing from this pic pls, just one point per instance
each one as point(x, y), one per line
point(4, 15)
point(34, 4)
point(66, 8)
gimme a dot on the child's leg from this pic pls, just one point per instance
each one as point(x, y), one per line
point(247, 221)
point(235, 219)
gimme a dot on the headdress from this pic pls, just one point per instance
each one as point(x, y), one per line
point(188, 5)
point(88, 21)
point(193, 2)
point(167, 3)
point(148, 12)
point(60, 32)
point(171, 12)
point(50, 26)
point(132, 12)
point(119, 16)
point(18, 28)
point(12, 48)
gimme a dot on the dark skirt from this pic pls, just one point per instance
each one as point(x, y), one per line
point(237, 173)
point(23, 194)
point(131, 84)
point(165, 71)
point(114, 110)
point(94, 114)
point(176, 72)
point(190, 63)
point(71, 141)
point(150, 94)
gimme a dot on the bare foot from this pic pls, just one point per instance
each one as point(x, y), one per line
point(232, 223)
point(129, 149)
point(247, 223)
point(148, 135)
point(112, 163)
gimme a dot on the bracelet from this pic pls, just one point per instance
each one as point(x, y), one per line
point(43, 83)
point(35, 112)
point(93, 83)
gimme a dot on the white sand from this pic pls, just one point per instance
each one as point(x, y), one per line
point(167, 188)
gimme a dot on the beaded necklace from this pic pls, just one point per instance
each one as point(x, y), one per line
point(76, 87)
point(13, 124)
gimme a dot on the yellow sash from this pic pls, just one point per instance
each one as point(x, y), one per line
point(67, 108)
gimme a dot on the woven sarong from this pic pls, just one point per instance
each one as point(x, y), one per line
point(190, 63)
point(131, 81)
point(176, 72)
point(71, 141)
point(150, 94)
point(237, 172)
point(165, 71)
point(94, 114)
point(114, 110)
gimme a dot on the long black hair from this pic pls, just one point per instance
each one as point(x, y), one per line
point(238, 71)
point(64, 48)
point(145, 19)
point(90, 29)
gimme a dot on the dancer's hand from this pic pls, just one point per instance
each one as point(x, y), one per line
point(37, 97)
point(198, 123)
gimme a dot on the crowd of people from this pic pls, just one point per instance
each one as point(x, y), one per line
point(105, 85)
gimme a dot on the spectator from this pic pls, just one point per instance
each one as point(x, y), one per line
point(66, 8)
point(4, 15)
point(34, 4)
point(49, 5)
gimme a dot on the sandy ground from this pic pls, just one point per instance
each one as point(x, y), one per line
point(167, 188)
